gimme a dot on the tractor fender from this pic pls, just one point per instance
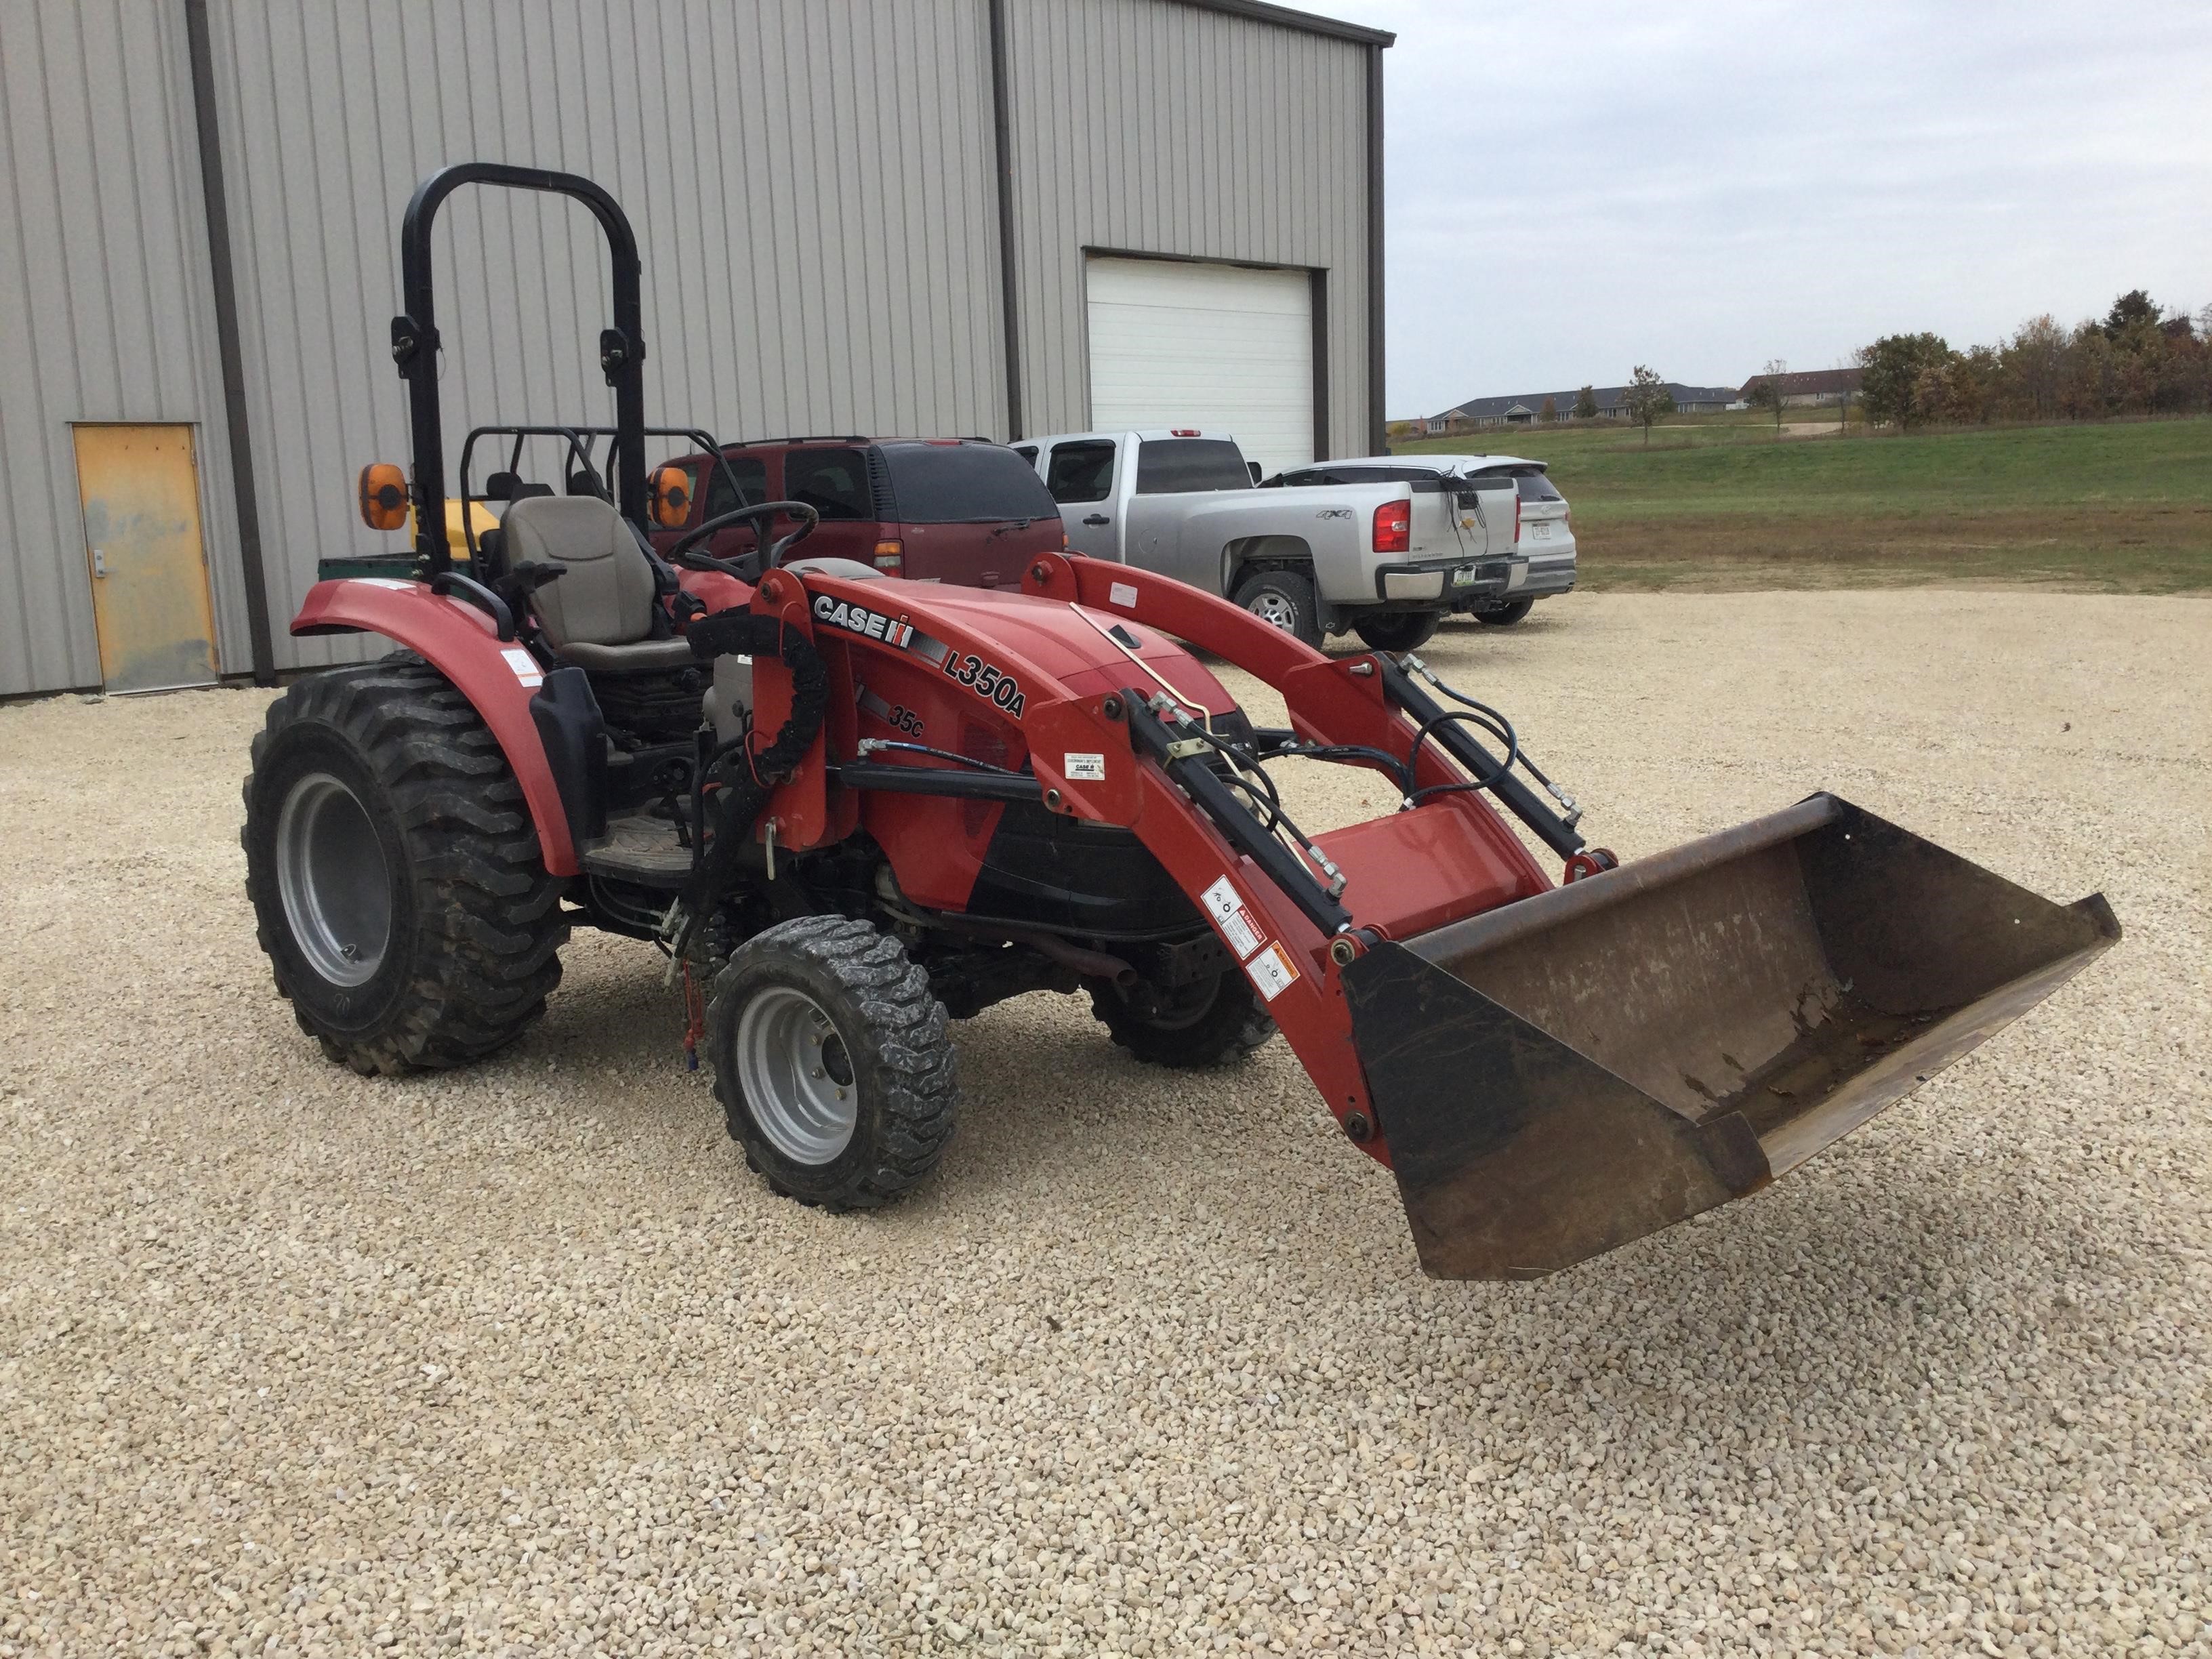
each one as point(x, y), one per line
point(462, 643)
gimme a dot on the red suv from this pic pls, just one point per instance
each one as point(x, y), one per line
point(960, 510)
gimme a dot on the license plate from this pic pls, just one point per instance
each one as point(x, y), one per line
point(1463, 576)
point(1542, 532)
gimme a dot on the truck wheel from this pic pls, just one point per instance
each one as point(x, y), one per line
point(832, 1062)
point(1190, 1028)
point(1284, 599)
point(394, 872)
point(1397, 630)
point(1506, 616)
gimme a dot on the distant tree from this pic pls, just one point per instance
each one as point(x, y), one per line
point(1586, 399)
point(1550, 411)
point(2030, 368)
point(1894, 384)
point(1648, 400)
point(2087, 390)
point(1766, 390)
point(2131, 310)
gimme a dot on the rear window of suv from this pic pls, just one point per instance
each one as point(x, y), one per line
point(1176, 466)
point(833, 482)
point(1529, 481)
point(963, 483)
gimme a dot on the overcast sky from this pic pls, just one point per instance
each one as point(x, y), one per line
point(1572, 191)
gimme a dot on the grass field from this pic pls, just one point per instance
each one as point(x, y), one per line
point(2121, 508)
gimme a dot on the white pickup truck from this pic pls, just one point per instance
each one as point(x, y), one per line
point(1381, 560)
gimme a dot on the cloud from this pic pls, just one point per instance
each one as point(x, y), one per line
point(1575, 189)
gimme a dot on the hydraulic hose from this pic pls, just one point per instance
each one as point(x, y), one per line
point(747, 777)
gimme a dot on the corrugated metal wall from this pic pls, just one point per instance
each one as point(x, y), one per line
point(105, 313)
point(1148, 127)
point(811, 187)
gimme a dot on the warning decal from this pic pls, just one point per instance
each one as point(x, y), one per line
point(525, 666)
point(1083, 768)
point(1235, 921)
point(1271, 971)
point(1121, 593)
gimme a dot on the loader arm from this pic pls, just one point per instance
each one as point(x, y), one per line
point(1550, 1073)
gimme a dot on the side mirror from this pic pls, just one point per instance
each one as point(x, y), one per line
point(1253, 468)
point(383, 496)
point(671, 497)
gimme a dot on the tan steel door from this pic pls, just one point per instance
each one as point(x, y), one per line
point(140, 490)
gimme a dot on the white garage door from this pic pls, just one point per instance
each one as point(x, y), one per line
point(1216, 346)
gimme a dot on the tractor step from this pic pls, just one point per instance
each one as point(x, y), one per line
point(639, 849)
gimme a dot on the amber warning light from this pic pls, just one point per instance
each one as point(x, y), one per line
point(671, 497)
point(383, 496)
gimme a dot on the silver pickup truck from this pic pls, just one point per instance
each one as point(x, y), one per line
point(1381, 560)
point(1528, 536)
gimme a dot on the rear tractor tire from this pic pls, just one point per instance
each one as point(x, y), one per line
point(833, 1062)
point(1284, 599)
point(1506, 616)
point(1190, 1028)
point(394, 872)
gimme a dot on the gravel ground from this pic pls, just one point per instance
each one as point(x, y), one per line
point(520, 1359)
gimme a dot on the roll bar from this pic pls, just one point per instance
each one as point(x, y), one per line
point(415, 341)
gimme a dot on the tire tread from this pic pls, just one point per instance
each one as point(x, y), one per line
point(488, 926)
point(910, 1034)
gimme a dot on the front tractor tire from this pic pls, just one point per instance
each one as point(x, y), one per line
point(833, 1062)
point(394, 872)
point(1196, 1027)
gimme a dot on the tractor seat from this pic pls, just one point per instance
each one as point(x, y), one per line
point(602, 615)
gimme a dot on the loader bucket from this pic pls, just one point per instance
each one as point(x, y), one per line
point(1563, 1074)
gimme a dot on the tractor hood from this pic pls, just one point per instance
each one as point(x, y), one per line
point(1086, 650)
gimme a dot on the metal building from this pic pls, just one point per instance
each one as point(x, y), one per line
point(925, 216)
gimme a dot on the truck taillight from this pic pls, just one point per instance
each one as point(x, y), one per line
point(1517, 521)
point(890, 557)
point(1394, 527)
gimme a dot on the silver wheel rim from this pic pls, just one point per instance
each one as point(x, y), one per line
point(332, 877)
point(797, 1075)
point(1275, 609)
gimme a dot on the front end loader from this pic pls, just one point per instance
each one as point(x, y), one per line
point(846, 809)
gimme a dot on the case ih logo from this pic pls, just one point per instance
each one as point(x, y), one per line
point(870, 624)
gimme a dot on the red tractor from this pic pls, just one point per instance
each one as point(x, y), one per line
point(850, 808)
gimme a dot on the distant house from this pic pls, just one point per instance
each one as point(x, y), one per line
point(1815, 385)
point(1612, 405)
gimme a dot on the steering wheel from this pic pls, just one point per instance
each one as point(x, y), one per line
point(750, 567)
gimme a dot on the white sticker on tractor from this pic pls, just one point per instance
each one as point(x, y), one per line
point(1121, 593)
point(1234, 920)
point(1083, 768)
point(1271, 971)
point(525, 666)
